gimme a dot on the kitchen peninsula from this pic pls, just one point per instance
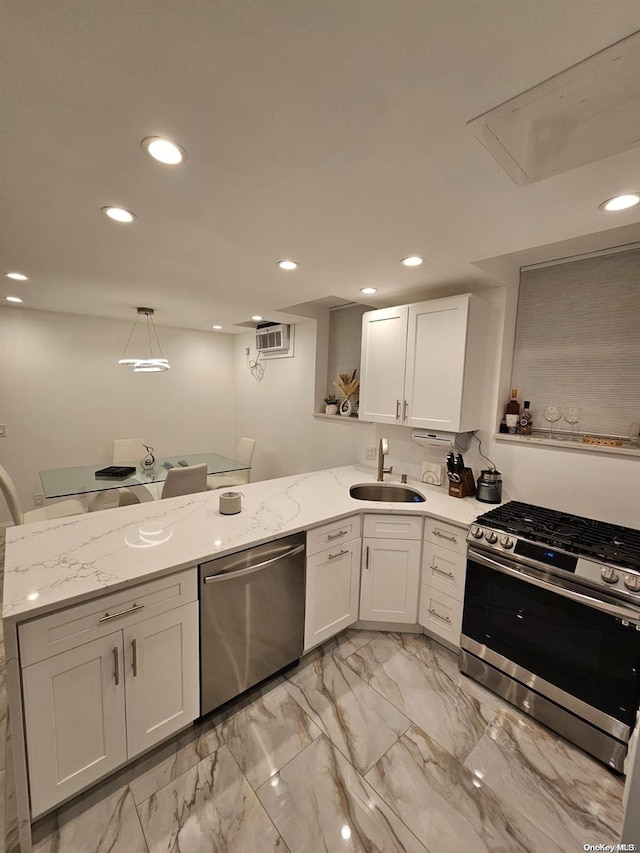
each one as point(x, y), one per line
point(79, 561)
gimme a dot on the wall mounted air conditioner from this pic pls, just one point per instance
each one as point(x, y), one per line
point(272, 337)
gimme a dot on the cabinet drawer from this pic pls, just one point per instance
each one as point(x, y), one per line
point(439, 532)
point(440, 614)
point(65, 629)
point(392, 527)
point(334, 533)
point(444, 570)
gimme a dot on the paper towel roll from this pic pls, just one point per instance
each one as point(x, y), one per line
point(230, 503)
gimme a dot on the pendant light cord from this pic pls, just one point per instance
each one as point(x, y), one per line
point(130, 336)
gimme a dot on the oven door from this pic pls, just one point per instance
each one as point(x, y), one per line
point(582, 651)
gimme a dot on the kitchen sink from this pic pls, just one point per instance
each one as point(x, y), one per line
point(386, 492)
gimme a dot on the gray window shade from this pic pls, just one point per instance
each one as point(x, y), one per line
point(578, 341)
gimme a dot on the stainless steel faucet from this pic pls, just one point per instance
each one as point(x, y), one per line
point(383, 450)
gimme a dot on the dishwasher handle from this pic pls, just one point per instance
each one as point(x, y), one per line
point(225, 576)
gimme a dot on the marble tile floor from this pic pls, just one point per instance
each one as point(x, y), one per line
point(375, 742)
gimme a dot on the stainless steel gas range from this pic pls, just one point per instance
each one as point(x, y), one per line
point(551, 621)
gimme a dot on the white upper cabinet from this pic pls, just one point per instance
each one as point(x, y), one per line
point(382, 362)
point(423, 365)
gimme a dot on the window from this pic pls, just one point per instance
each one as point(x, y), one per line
point(578, 340)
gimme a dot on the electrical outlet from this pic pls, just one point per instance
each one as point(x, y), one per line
point(38, 499)
point(3, 430)
point(370, 454)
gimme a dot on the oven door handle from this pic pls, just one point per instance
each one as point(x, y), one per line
point(629, 614)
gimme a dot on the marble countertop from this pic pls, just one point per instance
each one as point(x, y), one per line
point(50, 564)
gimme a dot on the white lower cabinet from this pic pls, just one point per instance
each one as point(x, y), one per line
point(161, 676)
point(333, 579)
point(75, 720)
point(333, 582)
point(441, 614)
point(390, 576)
point(93, 706)
point(444, 566)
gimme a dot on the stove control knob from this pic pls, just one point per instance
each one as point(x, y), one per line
point(609, 575)
point(491, 537)
point(477, 532)
point(632, 582)
point(506, 541)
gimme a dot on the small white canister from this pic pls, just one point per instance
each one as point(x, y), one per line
point(230, 503)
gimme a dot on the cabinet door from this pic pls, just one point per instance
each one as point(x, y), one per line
point(390, 580)
point(74, 707)
point(333, 581)
point(384, 341)
point(436, 343)
point(161, 676)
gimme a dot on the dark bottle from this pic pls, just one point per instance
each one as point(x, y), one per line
point(512, 412)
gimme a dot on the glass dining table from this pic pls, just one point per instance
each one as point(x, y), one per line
point(63, 482)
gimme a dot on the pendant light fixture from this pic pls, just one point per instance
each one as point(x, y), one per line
point(152, 363)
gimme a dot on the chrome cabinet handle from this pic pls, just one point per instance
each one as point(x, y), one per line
point(134, 662)
point(116, 666)
point(404, 412)
point(339, 554)
point(337, 535)
point(445, 536)
point(366, 558)
point(444, 618)
point(397, 410)
point(447, 574)
point(225, 576)
point(108, 616)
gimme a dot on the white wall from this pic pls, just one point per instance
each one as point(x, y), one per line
point(64, 397)
point(278, 410)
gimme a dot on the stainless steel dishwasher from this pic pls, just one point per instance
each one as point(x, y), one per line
point(251, 617)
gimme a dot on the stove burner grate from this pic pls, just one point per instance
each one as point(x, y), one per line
point(586, 537)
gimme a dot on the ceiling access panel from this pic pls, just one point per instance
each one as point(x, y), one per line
point(584, 114)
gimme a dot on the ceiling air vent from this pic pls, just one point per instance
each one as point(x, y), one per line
point(272, 337)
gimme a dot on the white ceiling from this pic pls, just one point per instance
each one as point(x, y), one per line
point(332, 132)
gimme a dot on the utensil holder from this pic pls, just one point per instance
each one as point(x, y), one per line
point(465, 488)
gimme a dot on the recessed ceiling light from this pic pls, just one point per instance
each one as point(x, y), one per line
point(217, 328)
point(256, 317)
point(16, 276)
point(13, 299)
point(164, 151)
point(621, 202)
point(368, 290)
point(118, 214)
point(287, 265)
point(412, 261)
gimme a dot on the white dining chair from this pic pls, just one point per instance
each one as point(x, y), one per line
point(45, 513)
point(124, 450)
point(185, 481)
point(243, 453)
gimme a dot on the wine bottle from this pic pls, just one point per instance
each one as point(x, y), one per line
point(512, 412)
point(525, 425)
